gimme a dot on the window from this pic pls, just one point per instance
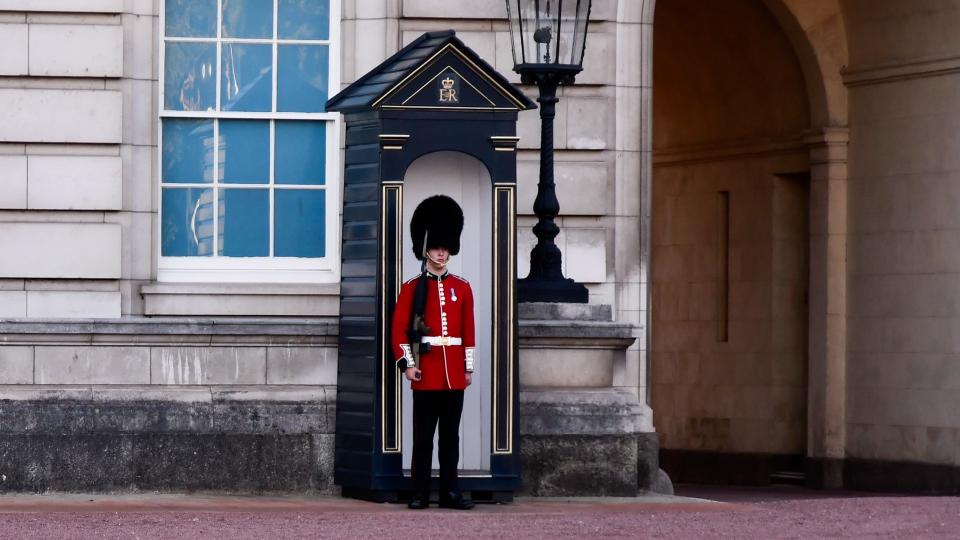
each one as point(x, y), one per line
point(248, 155)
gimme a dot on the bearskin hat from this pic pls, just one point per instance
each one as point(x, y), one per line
point(440, 219)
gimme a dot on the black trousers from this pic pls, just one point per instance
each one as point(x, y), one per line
point(430, 408)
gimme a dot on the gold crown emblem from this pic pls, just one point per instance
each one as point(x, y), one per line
point(447, 83)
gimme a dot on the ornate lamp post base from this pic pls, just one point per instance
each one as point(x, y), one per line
point(565, 290)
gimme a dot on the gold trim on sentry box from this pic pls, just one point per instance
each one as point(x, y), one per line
point(393, 141)
point(504, 143)
point(385, 349)
point(445, 108)
point(499, 447)
point(403, 82)
point(462, 78)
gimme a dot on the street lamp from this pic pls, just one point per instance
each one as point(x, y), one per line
point(548, 40)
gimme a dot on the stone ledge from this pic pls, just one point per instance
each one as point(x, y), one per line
point(293, 330)
point(585, 335)
point(332, 289)
point(233, 299)
point(173, 394)
point(179, 331)
point(569, 411)
point(64, 6)
point(578, 326)
point(554, 311)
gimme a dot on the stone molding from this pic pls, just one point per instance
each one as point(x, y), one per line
point(169, 394)
point(63, 6)
point(576, 335)
point(565, 411)
point(933, 67)
point(232, 299)
point(286, 331)
point(179, 331)
point(728, 150)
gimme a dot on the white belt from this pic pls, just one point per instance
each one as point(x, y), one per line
point(441, 340)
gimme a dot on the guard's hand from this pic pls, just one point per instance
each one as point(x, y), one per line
point(412, 374)
point(468, 377)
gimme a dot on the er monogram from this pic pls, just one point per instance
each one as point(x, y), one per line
point(448, 93)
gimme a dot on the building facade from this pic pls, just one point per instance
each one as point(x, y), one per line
point(759, 195)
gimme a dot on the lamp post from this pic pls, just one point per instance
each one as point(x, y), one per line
point(548, 40)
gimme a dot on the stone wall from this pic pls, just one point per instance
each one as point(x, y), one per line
point(729, 352)
point(62, 135)
point(902, 373)
point(729, 233)
point(172, 405)
point(249, 406)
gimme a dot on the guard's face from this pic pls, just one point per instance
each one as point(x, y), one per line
point(439, 255)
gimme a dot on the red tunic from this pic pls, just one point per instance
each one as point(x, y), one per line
point(448, 312)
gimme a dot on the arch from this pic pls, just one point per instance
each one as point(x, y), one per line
point(817, 34)
point(413, 157)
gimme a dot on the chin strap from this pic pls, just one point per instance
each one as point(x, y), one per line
point(439, 264)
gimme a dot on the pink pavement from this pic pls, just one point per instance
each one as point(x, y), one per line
point(705, 512)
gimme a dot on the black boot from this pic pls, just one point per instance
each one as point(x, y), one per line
point(456, 501)
point(418, 502)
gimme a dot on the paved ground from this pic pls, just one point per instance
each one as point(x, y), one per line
point(702, 512)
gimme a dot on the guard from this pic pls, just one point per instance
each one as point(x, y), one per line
point(433, 340)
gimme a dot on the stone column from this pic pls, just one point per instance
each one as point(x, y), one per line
point(634, 63)
point(826, 406)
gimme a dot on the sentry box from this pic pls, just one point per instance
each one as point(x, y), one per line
point(433, 118)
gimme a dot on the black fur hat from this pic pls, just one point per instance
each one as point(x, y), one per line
point(440, 219)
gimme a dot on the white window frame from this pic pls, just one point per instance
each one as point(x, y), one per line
point(221, 269)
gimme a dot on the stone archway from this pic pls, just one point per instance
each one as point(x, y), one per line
point(816, 37)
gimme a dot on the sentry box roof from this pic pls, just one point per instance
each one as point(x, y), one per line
point(435, 72)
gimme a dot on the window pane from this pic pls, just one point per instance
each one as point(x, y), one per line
point(189, 83)
point(301, 149)
point(247, 77)
point(246, 223)
point(245, 151)
point(302, 78)
point(191, 18)
point(187, 151)
point(187, 228)
point(303, 19)
point(248, 18)
point(300, 216)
